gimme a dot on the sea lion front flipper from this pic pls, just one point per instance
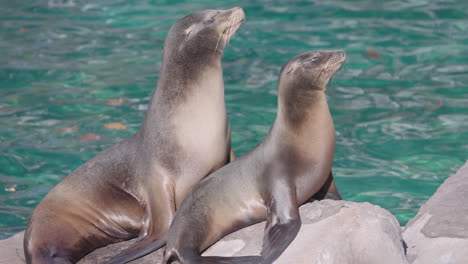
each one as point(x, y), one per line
point(283, 224)
point(160, 212)
point(227, 260)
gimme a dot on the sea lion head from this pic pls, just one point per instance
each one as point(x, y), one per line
point(312, 70)
point(302, 83)
point(202, 35)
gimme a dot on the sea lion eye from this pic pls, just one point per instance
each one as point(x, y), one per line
point(314, 58)
point(189, 30)
point(209, 21)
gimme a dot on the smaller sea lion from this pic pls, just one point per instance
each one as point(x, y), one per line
point(287, 168)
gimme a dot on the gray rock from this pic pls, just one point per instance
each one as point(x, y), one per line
point(332, 232)
point(11, 250)
point(439, 232)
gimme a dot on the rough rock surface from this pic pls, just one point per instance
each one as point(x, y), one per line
point(331, 232)
point(439, 232)
point(11, 250)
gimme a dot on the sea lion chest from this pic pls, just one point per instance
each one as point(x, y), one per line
point(202, 132)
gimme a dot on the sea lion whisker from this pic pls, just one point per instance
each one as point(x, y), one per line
point(231, 25)
point(228, 38)
point(217, 43)
point(320, 74)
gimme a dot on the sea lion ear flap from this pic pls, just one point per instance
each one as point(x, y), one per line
point(188, 31)
point(291, 68)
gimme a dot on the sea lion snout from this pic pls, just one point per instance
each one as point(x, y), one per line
point(342, 54)
point(236, 14)
point(322, 58)
point(339, 53)
point(336, 59)
point(312, 70)
point(231, 19)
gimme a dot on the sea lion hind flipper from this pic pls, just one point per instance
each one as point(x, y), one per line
point(137, 250)
point(328, 191)
point(41, 256)
point(333, 191)
point(221, 260)
point(232, 156)
point(192, 257)
point(229, 260)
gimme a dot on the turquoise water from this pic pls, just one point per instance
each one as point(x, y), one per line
point(400, 112)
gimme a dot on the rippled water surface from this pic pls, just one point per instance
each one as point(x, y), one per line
point(400, 103)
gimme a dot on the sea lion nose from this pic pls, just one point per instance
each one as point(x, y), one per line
point(237, 9)
point(339, 54)
point(342, 54)
point(238, 12)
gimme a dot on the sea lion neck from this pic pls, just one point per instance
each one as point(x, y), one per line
point(178, 83)
point(182, 72)
point(298, 104)
point(300, 121)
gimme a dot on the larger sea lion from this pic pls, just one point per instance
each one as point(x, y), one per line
point(288, 167)
point(133, 188)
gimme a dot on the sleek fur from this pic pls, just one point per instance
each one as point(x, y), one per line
point(133, 188)
point(268, 183)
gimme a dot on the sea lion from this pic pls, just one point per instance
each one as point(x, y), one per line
point(133, 188)
point(328, 190)
point(269, 182)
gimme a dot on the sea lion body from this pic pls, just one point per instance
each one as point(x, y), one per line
point(133, 188)
point(286, 169)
